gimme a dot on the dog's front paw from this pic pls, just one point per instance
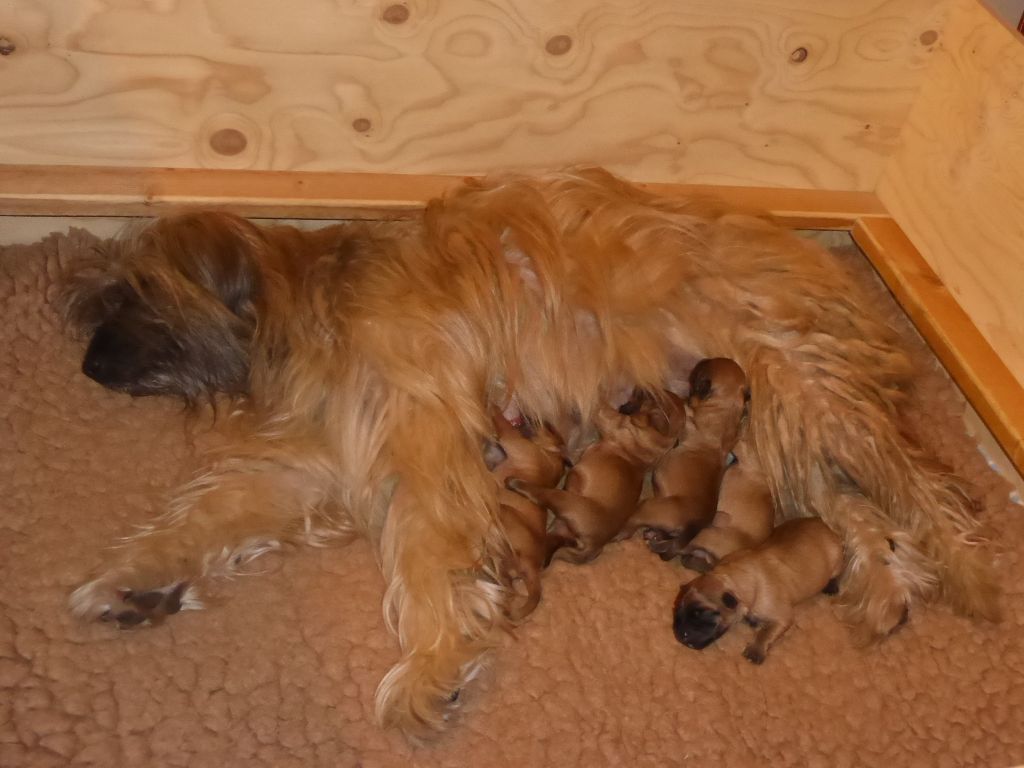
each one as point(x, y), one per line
point(754, 654)
point(105, 599)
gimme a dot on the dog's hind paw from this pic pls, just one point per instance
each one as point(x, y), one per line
point(754, 654)
point(127, 608)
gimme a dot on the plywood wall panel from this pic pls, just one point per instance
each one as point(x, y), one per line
point(801, 93)
point(956, 184)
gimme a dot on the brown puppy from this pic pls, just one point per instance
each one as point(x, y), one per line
point(687, 479)
point(601, 491)
point(535, 456)
point(745, 517)
point(760, 586)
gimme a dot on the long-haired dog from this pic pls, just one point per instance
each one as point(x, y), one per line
point(364, 359)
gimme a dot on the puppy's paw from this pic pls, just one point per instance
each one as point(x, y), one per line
point(699, 560)
point(104, 600)
point(754, 654)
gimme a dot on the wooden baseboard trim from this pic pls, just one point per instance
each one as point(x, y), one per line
point(987, 383)
point(113, 191)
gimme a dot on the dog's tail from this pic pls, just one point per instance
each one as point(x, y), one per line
point(841, 437)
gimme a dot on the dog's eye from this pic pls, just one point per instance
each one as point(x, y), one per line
point(729, 600)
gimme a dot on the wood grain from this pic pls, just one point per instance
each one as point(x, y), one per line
point(956, 184)
point(977, 368)
point(797, 93)
point(87, 191)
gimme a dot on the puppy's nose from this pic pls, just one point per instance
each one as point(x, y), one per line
point(679, 628)
point(94, 367)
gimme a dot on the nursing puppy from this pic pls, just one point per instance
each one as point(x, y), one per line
point(602, 489)
point(687, 479)
point(745, 516)
point(760, 586)
point(533, 455)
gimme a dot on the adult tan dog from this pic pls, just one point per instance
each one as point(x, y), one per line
point(364, 359)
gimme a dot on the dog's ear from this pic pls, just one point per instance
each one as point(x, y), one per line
point(659, 421)
point(684, 590)
point(701, 388)
point(91, 290)
point(216, 251)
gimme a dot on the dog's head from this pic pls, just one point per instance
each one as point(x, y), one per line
point(171, 310)
point(704, 611)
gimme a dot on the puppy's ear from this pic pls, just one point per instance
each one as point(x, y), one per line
point(659, 421)
point(701, 388)
point(217, 251)
point(684, 589)
point(91, 290)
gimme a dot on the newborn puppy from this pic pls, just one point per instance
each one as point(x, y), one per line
point(760, 586)
point(602, 489)
point(745, 517)
point(533, 455)
point(687, 479)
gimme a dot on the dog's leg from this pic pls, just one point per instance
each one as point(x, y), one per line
point(885, 571)
point(767, 634)
point(711, 545)
point(675, 516)
point(218, 522)
point(443, 601)
point(818, 445)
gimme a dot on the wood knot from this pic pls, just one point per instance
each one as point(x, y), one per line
point(928, 37)
point(228, 141)
point(798, 55)
point(7, 47)
point(558, 45)
point(361, 125)
point(396, 14)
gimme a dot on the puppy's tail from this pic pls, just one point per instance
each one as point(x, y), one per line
point(839, 436)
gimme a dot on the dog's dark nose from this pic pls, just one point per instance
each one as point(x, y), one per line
point(679, 627)
point(94, 367)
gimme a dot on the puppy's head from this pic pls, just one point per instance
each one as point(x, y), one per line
point(704, 611)
point(172, 309)
point(721, 379)
point(645, 427)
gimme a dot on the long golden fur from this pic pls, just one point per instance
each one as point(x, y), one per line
point(372, 354)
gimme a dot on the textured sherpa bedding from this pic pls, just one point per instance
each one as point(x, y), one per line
point(281, 670)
